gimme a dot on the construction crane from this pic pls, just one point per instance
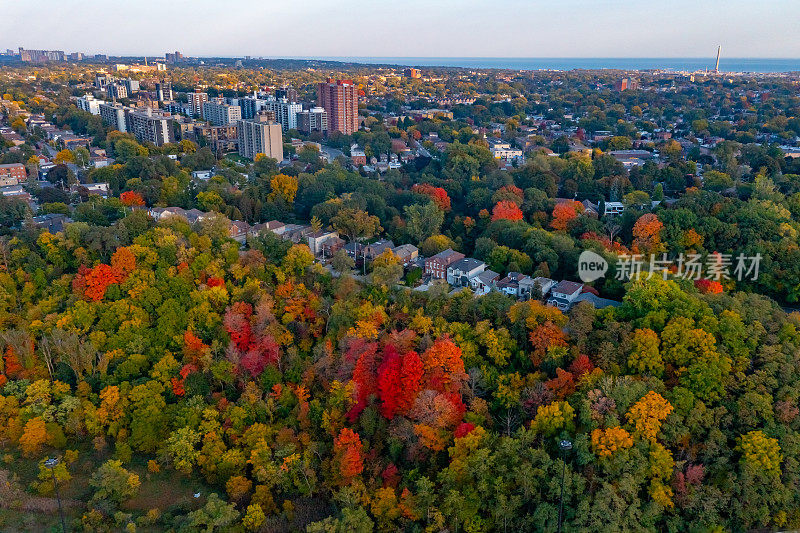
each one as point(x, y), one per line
point(716, 67)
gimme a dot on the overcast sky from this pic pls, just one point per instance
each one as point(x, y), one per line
point(407, 28)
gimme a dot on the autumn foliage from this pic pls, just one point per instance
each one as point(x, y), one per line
point(437, 194)
point(347, 454)
point(707, 286)
point(563, 213)
point(506, 210)
point(254, 349)
point(131, 199)
point(606, 442)
point(647, 234)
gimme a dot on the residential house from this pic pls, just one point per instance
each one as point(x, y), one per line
point(564, 294)
point(52, 222)
point(357, 155)
point(541, 287)
point(296, 232)
point(371, 251)
point(613, 209)
point(484, 282)
point(100, 189)
point(317, 238)
point(354, 249)
point(202, 174)
point(331, 246)
point(510, 284)
point(590, 209)
point(162, 213)
point(407, 253)
point(460, 272)
point(237, 230)
point(194, 215)
point(526, 288)
point(436, 265)
point(12, 173)
point(596, 301)
point(274, 226)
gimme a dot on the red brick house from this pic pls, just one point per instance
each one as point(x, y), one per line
point(436, 265)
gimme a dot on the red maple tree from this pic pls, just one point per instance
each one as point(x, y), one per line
point(506, 210)
point(131, 198)
point(437, 194)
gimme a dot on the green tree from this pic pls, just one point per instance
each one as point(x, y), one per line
point(113, 484)
point(423, 220)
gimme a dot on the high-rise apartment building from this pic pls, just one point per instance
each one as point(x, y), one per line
point(260, 135)
point(116, 90)
point(196, 101)
point(149, 125)
point(314, 119)
point(250, 106)
point(219, 113)
point(89, 103)
point(113, 115)
point(41, 56)
point(288, 92)
point(340, 100)
point(164, 91)
point(285, 112)
point(145, 123)
point(101, 79)
point(131, 85)
point(173, 57)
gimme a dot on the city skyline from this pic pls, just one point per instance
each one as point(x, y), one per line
point(512, 29)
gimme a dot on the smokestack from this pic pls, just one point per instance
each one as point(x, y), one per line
point(716, 67)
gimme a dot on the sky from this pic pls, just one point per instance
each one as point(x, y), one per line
point(407, 28)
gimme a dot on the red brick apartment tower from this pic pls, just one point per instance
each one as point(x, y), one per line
point(340, 100)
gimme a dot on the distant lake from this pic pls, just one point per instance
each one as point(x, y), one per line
point(726, 64)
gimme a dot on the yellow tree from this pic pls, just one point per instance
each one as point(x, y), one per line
point(605, 442)
point(33, 437)
point(761, 453)
point(283, 187)
point(647, 414)
point(63, 157)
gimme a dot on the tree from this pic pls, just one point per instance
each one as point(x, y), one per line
point(215, 515)
point(81, 156)
point(347, 455)
point(423, 220)
point(113, 484)
point(644, 357)
point(648, 413)
point(760, 452)
point(435, 244)
point(131, 198)
point(506, 210)
point(386, 269)
point(356, 224)
point(63, 157)
point(563, 213)
point(33, 437)
point(283, 187)
point(254, 517)
point(342, 262)
point(298, 259)
point(647, 234)
point(606, 442)
point(437, 194)
point(60, 174)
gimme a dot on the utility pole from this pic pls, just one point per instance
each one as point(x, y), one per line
point(51, 464)
point(564, 445)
